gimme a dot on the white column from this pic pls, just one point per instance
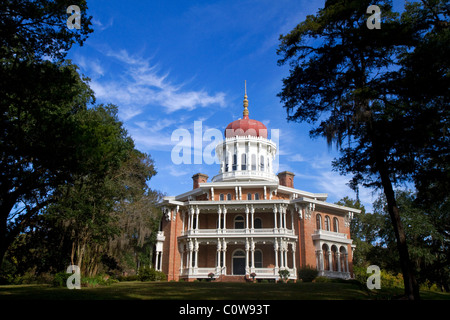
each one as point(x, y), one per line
point(190, 248)
point(321, 262)
point(196, 254)
point(246, 218)
point(330, 265)
point(253, 254)
point(224, 254)
point(219, 214)
point(197, 212)
point(224, 217)
point(275, 216)
point(191, 218)
point(247, 248)
point(181, 255)
point(275, 247)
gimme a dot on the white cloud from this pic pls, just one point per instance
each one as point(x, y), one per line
point(102, 26)
point(139, 85)
point(177, 171)
point(296, 158)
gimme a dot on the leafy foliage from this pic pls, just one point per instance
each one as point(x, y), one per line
point(379, 95)
point(307, 273)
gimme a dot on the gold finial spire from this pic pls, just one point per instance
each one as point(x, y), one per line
point(245, 100)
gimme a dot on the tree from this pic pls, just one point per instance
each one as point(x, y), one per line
point(40, 95)
point(376, 244)
point(37, 30)
point(350, 81)
point(85, 206)
point(41, 142)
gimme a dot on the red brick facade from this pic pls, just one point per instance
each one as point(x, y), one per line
point(266, 235)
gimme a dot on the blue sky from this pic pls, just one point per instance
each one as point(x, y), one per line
point(167, 64)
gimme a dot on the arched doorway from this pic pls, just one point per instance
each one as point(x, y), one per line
point(238, 262)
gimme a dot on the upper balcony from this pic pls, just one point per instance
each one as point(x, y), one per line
point(245, 175)
point(332, 236)
point(255, 232)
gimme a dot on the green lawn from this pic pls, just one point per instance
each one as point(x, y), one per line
point(207, 291)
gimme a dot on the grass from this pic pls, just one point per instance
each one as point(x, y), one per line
point(208, 291)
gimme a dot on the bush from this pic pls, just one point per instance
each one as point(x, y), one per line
point(284, 274)
point(308, 273)
point(60, 279)
point(149, 274)
point(131, 277)
point(98, 280)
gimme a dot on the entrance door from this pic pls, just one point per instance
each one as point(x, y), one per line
point(239, 263)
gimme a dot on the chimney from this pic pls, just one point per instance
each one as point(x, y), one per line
point(286, 179)
point(199, 178)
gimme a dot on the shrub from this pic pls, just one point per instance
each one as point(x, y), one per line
point(131, 277)
point(149, 274)
point(308, 273)
point(98, 280)
point(284, 274)
point(60, 279)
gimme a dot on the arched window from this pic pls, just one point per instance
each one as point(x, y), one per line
point(244, 162)
point(336, 224)
point(261, 163)
point(234, 162)
point(256, 196)
point(326, 262)
point(249, 196)
point(318, 221)
point(258, 258)
point(229, 196)
point(221, 197)
point(253, 161)
point(226, 163)
point(239, 222)
point(327, 223)
point(257, 223)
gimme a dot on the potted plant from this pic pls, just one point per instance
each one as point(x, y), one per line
point(253, 275)
point(211, 276)
point(284, 275)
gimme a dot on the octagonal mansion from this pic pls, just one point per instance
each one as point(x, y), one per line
point(250, 222)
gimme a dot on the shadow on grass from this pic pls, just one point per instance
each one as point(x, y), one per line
point(203, 291)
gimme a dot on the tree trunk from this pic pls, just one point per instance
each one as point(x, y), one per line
point(409, 280)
